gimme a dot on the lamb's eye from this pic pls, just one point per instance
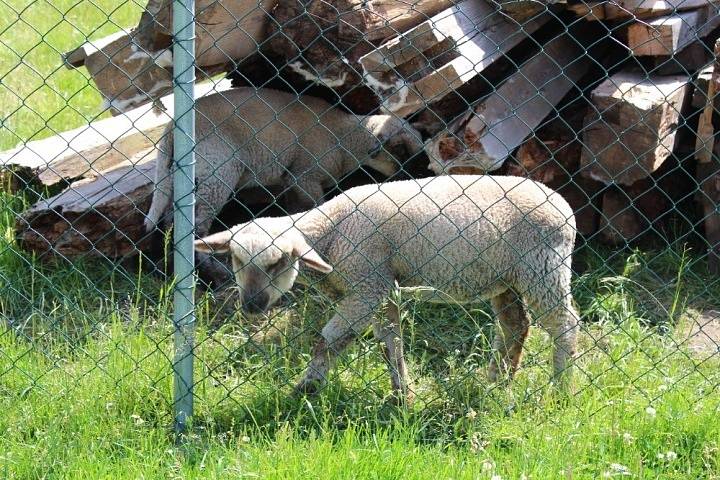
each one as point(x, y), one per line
point(278, 266)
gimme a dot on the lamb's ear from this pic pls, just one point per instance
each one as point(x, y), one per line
point(215, 243)
point(311, 258)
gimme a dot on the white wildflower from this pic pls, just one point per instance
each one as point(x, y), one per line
point(487, 465)
point(651, 412)
point(137, 419)
point(617, 469)
point(668, 456)
point(245, 439)
point(496, 477)
point(471, 414)
point(627, 438)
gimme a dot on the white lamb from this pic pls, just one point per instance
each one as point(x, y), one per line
point(248, 137)
point(508, 239)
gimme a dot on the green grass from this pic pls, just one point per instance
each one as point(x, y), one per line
point(85, 376)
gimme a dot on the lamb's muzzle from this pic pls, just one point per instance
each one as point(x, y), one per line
point(507, 239)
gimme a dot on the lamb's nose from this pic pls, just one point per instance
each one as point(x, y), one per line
point(255, 303)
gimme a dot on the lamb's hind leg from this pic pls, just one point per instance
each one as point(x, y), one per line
point(558, 316)
point(510, 336)
point(387, 330)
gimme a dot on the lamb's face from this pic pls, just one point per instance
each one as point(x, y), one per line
point(265, 258)
point(264, 267)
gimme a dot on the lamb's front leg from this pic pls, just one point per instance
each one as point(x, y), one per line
point(352, 318)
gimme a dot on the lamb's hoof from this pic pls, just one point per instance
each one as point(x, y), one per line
point(308, 387)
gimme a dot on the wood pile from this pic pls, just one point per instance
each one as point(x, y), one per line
point(610, 103)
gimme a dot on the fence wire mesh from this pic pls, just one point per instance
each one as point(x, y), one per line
point(439, 208)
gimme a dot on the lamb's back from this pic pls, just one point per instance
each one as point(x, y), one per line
point(452, 232)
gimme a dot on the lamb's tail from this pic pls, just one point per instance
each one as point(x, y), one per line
point(162, 195)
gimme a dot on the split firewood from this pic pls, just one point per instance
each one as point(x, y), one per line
point(322, 41)
point(484, 138)
point(98, 146)
point(666, 36)
point(450, 49)
point(632, 129)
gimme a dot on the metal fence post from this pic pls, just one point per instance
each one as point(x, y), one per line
point(184, 198)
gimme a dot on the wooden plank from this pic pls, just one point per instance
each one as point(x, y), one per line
point(480, 34)
point(98, 217)
point(500, 123)
point(669, 35)
point(100, 145)
point(705, 140)
point(632, 129)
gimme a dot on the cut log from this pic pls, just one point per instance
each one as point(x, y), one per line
point(100, 145)
point(552, 154)
point(669, 35)
point(102, 216)
point(468, 37)
point(323, 40)
point(706, 131)
point(483, 139)
point(632, 129)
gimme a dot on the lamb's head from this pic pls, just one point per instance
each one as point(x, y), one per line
point(265, 258)
point(397, 142)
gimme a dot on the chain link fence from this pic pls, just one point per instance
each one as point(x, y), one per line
point(599, 222)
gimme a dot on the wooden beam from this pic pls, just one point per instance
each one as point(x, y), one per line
point(632, 129)
point(474, 33)
point(669, 35)
point(499, 124)
point(99, 145)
